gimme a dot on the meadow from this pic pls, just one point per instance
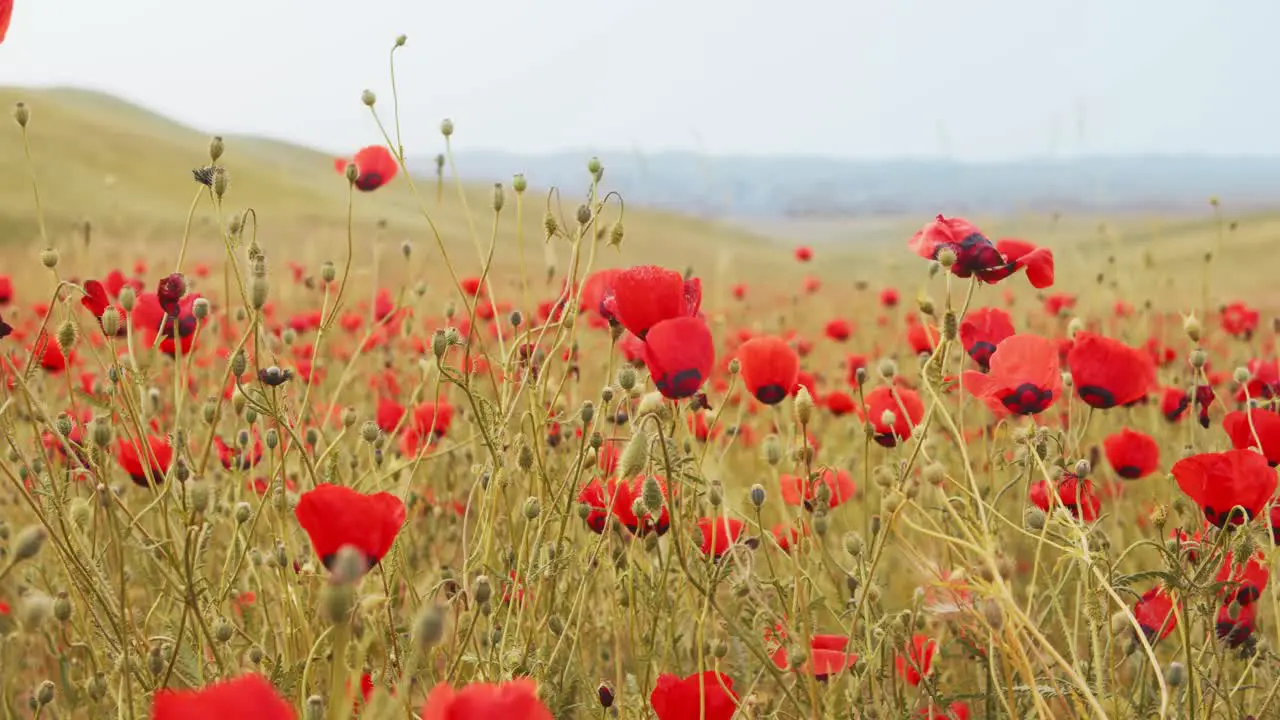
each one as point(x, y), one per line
point(290, 437)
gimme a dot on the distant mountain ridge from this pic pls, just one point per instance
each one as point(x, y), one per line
point(805, 186)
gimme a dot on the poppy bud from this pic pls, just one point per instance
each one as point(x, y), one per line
point(653, 404)
point(587, 413)
point(1176, 674)
point(499, 199)
point(853, 544)
point(1083, 468)
point(221, 178)
point(34, 610)
point(803, 406)
point(1034, 518)
point(44, 693)
point(258, 290)
point(1198, 358)
point(757, 495)
point(888, 368)
point(127, 298)
point(584, 215)
point(519, 184)
point(925, 303)
point(482, 590)
point(1242, 375)
point(772, 450)
point(62, 607)
point(110, 322)
point(243, 512)
point(446, 129)
point(634, 456)
point(368, 98)
point(28, 542)
point(328, 272)
point(627, 378)
point(651, 492)
point(715, 493)
point(67, 334)
point(352, 173)
point(49, 258)
point(222, 630)
point(616, 233)
point(950, 325)
point(199, 494)
point(935, 473)
point(439, 344)
point(21, 114)
point(993, 613)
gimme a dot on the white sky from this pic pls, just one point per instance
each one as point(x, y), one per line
point(980, 79)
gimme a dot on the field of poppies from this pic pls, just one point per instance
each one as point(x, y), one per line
point(464, 481)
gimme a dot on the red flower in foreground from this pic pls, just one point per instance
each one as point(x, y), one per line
point(6, 12)
point(975, 255)
point(1239, 320)
point(1243, 583)
point(958, 710)
point(624, 495)
point(1024, 378)
point(1076, 495)
point(645, 295)
point(1108, 373)
point(828, 655)
point(1265, 423)
point(769, 368)
point(705, 696)
point(1132, 454)
point(514, 700)
point(918, 662)
point(1235, 624)
point(718, 535)
point(1221, 482)
point(375, 164)
point(1155, 615)
point(837, 485)
point(981, 331)
point(804, 253)
point(334, 516)
point(157, 325)
point(892, 418)
point(679, 354)
point(157, 455)
point(248, 697)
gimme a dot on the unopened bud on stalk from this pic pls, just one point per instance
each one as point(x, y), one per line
point(101, 433)
point(925, 303)
point(587, 413)
point(336, 602)
point(1034, 518)
point(715, 494)
point(21, 114)
point(439, 344)
point(757, 495)
point(1242, 375)
point(328, 272)
point(950, 325)
point(583, 215)
point(652, 494)
point(216, 148)
point(803, 406)
point(446, 127)
point(221, 179)
point(1083, 468)
point(1198, 358)
point(888, 368)
point(110, 322)
point(1191, 326)
point(532, 508)
point(772, 450)
point(28, 542)
point(243, 512)
point(62, 607)
point(222, 630)
point(519, 184)
point(68, 332)
point(482, 590)
point(352, 173)
point(127, 298)
point(627, 378)
point(499, 199)
point(634, 456)
point(368, 98)
point(428, 628)
point(1175, 674)
point(49, 258)
point(44, 693)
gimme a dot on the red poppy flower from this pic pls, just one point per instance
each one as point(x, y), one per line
point(375, 164)
point(1221, 482)
point(1155, 615)
point(888, 298)
point(625, 493)
point(892, 418)
point(514, 700)
point(1076, 495)
point(701, 696)
point(838, 330)
point(1132, 454)
point(1107, 372)
point(595, 289)
point(150, 317)
point(828, 655)
point(982, 330)
point(804, 253)
point(594, 497)
point(838, 487)
point(918, 662)
point(6, 13)
point(1242, 583)
point(1058, 303)
point(839, 403)
point(718, 534)
point(643, 296)
point(1023, 379)
point(679, 354)
point(769, 368)
point(922, 338)
point(1264, 380)
point(51, 357)
point(958, 710)
point(1239, 320)
point(248, 697)
point(1265, 423)
point(132, 457)
point(739, 291)
point(1235, 624)
point(334, 516)
point(977, 256)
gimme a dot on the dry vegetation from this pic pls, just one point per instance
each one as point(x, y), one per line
point(526, 499)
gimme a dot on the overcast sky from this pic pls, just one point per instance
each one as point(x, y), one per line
point(977, 79)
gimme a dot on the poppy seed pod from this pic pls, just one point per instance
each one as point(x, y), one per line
point(1198, 358)
point(28, 542)
point(803, 406)
point(216, 148)
point(947, 258)
point(482, 590)
point(446, 128)
point(258, 290)
point(62, 607)
point(44, 693)
point(368, 98)
point(532, 508)
point(49, 258)
point(519, 184)
point(21, 114)
point(584, 214)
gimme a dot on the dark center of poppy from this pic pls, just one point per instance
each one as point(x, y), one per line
point(886, 439)
point(1027, 399)
point(981, 353)
point(369, 181)
point(1097, 397)
point(771, 394)
point(681, 384)
point(1129, 472)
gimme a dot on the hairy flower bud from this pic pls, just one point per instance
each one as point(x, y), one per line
point(21, 114)
point(28, 542)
